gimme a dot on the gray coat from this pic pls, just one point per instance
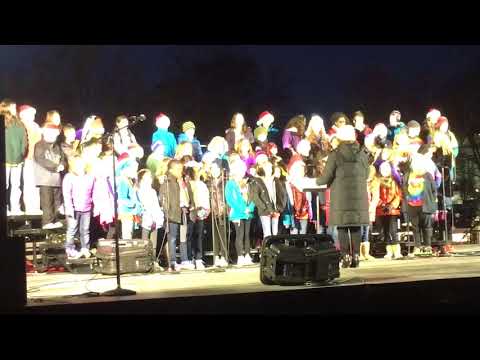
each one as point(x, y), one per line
point(346, 174)
point(48, 156)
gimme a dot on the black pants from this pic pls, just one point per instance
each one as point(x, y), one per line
point(344, 239)
point(422, 225)
point(388, 228)
point(220, 237)
point(242, 237)
point(50, 201)
point(195, 239)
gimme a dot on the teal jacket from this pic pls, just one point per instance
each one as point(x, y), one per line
point(237, 203)
point(128, 201)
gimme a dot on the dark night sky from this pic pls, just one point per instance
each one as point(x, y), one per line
point(317, 73)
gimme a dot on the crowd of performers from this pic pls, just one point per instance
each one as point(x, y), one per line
point(244, 182)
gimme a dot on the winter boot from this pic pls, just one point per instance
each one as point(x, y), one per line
point(367, 251)
point(397, 251)
point(362, 252)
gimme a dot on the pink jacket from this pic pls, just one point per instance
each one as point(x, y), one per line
point(103, 200)
point(77, 193)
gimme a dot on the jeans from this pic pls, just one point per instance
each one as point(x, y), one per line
point(173, 229)
point(195, 237)
point(300, 225)
point(152, 236)
point(333, 232)
point(127, 229)
point(185, 241)
point(31, 193)
point(12, 180)
point(388, 228)
point(269, 225)
point(80, 222)
point(242, 237)
point(349, 238)
point(365, 229)
point(50, 200)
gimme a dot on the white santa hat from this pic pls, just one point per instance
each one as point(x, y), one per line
point(433, 114)
point(162, 121)
point(346, 133)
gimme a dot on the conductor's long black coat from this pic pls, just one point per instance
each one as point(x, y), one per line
point(346, 175)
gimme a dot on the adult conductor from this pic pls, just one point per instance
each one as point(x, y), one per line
point(346, 175)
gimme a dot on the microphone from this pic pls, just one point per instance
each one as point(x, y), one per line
point(140, 118)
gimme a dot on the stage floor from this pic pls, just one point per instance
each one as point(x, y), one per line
point(68, 288)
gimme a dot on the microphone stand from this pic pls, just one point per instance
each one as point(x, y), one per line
point(118, 291)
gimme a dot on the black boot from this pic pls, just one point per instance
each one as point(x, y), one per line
point(355, 261)
point(346, 261)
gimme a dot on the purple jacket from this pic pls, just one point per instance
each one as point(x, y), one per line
point(290, 139)
point(77, 193)
point(249, 162)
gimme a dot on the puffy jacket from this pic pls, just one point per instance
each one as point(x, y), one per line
point(346, 174)
point(48, 156)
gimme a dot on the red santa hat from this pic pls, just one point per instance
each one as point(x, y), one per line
point(433, 113)
point(441, 120)
point(51, 125)
point(263, 116)
point(23, 108)
point(295, 160)
point(161, 117)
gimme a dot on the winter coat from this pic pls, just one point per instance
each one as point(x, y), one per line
point(34, 135)
point(103, 200)
point(16, 144)
point(430, 201)
point(290, 140)
point(346, 174)
point(77, 193)
point(237, 203)
point(217, 193)
point(261, 198)
point(152, 216)
point(389, 198)
point(231, 140)
point(48, 156)
point(197, 147)
point(128, 201)
point(168, 140)
point(169, 197)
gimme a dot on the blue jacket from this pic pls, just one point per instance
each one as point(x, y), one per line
point(168, 140)
point(128, 201)
point(197, 148)
point(394, 131)
point(236, 202)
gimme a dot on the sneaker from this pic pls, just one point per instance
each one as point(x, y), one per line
point(173, 269)
point(58, 225)
point(16, 213)
point(49, 226)
point(85, 253)
point(220, 262)
point(187, 265)
point(199, 265)
point(34, 212)
point(247, 260)
point(73, 254)
point(427, 250)
point(417, 251)
point(241, 261)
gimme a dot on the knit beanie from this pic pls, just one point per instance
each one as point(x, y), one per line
point(187, 126)
point(413, 124)
point(259, 131)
